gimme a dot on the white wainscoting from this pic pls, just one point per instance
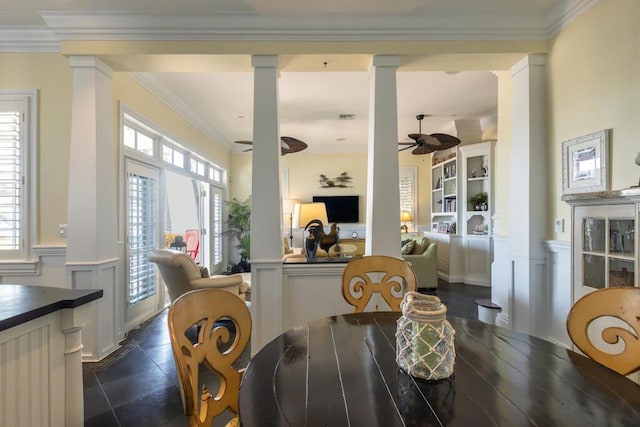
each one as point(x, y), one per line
point(545, 306)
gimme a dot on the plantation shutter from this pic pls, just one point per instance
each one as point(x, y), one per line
point(12, 135)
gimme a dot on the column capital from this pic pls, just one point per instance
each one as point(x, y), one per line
point(264, 61)
point(90, 61)
point(385, 61)
point(528, 61)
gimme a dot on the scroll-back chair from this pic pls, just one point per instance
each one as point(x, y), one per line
point(622, 303)
point(223, 326)
point(390, 277)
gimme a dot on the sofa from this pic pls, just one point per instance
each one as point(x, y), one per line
point(423, 256)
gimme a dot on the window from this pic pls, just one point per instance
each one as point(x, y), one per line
point(139, 141)
point(408, 191)
point(17, 136)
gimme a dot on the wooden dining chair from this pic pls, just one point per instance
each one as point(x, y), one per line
point(622, 303)
point(390, 277)
point(222, 324)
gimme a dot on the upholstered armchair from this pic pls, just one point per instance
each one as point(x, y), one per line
point(181, 275)
point(423, 256)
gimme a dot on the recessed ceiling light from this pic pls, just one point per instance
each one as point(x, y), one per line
point(346, 116)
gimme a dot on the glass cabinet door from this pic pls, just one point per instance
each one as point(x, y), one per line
point(605, 247)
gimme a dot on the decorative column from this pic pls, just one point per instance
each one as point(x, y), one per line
point(73, 321)
point(383, 194)
point(266, 206)
point(527, 198)
point(92, 238)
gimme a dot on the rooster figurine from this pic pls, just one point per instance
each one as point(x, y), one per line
point(322, 239)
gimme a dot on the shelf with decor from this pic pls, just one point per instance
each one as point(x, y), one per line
point(444, 191)
point(477, 191)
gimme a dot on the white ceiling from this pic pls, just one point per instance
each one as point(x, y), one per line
point(310, 103)
point(460, 87)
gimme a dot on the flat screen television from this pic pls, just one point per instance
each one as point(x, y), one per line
point(341, 209)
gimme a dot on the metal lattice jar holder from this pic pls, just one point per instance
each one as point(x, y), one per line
point(425, 338)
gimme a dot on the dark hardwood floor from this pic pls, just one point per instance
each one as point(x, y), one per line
point(137, 385)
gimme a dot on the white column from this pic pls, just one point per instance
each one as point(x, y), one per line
point(92, 255)
point(266, 206)
point(73, 321)
point(528, 190)
point(383, 194)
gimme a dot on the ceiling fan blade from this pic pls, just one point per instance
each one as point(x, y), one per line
point(423, 149)
point(444, 141)
point(248, 149)
point(415, 136)
point(244, 142)
point(406, 143)
point(406, 148)
point(294, 145)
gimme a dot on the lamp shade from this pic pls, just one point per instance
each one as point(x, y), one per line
point(306, 212)
point(406, 216)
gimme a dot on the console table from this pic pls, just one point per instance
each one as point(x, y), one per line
point(41, 354)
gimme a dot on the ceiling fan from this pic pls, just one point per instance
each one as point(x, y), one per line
point(288, 145)
point(425, 144)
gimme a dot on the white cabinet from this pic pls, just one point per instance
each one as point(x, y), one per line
point(603, 242)
point(604, 250)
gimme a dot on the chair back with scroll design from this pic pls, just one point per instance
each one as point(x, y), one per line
point(619, 307)
point(222, 324)
point(390, 277)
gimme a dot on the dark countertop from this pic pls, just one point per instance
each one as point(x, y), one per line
point(22, 303)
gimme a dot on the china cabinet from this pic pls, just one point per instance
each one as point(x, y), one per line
point(603, 242)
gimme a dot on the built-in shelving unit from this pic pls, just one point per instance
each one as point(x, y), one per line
point(462, 228)
point(444, 193)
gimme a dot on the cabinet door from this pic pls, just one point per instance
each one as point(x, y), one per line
point(604, 247)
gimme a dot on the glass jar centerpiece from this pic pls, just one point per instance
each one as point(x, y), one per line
point(425, 338)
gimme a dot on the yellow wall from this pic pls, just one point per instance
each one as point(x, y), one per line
point(304, 171)
point(50, 74)
point(134, 96)
point(593, 75)
point(502, 156)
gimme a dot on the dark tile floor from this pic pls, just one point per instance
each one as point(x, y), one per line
point(137, 385)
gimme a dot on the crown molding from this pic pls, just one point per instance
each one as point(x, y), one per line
point(28, 39)
point(563, 16)
point(102, 25)
point(181, 108)
point(80, 25)
point(489, 120)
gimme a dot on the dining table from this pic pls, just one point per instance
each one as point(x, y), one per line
point(342, 371)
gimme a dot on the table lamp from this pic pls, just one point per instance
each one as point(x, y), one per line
point(405, 216)
point(288, 207)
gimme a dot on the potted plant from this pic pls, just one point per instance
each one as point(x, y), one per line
point(480, 201)
point(239, 227)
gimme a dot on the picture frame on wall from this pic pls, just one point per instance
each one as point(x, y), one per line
point(585, 163)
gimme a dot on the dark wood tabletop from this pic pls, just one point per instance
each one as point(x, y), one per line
point(341, 371)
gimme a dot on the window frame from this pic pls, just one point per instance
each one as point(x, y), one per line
point(23, 261)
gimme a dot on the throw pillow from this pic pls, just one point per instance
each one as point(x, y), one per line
point(204, 272)
point(421, 246)
point(408, 248)
point(404, 242)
